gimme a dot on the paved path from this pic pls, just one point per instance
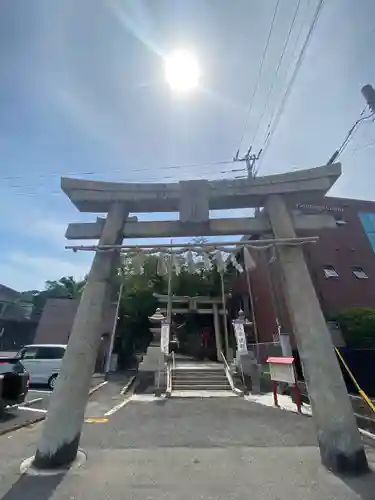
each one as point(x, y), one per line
point(186, 449)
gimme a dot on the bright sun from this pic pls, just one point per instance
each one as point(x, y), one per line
point(182, 71)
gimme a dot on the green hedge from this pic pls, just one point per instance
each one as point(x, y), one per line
point(358, 327)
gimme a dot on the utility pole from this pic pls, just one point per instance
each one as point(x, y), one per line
point(113, 334)
point(250, 159)
point(368, 93)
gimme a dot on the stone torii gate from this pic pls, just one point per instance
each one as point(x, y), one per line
point(338, 436)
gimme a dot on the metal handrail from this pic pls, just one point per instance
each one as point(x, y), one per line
point(169, 377)
point(227, 371)
point(225, 361)
point(173, 360)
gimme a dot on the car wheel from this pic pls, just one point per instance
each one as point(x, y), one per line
point(52, 382)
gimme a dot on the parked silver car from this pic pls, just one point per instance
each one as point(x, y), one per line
point(43, 362)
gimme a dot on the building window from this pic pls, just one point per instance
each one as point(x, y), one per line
point(359, 273)
point(368, 224)
point(330, 272)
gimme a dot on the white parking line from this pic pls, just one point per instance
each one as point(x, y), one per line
point(126, 387)
point(38, 410)
point(117, 407)
point(41, 391)
point(32, 401)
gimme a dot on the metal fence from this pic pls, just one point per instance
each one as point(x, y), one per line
point(263, 350)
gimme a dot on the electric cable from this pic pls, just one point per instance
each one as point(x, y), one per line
point(204, 175)
point(279, 112)
point(348, 137)
point(260, 69)
point(359, 148)
point(281, 58)
point(118, 170)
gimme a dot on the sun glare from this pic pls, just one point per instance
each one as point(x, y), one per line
point(182, 71)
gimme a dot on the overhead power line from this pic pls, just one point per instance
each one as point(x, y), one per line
point(118, 170)
point(43, 189)
point(293, 58)
point(277, 115)
point(359, 148)
point(260, 69)
point(281, 58)
point(348, 137)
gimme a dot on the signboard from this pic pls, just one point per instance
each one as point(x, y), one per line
point(164, 338)
point(319, 208)
point(282, 369)
point(240, 337)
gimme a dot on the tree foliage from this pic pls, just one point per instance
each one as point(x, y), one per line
point(64, 288)
point(138, 300)
point(358, 327)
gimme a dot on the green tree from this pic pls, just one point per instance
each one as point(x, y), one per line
point(64, 288)
point(138, 300)
point(137, 303)
point(358, 327)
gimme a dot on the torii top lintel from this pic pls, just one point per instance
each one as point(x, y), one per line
point(300, 186)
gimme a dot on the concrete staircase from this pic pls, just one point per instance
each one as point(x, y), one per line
point(199, 377)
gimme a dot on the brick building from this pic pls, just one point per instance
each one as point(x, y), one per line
point(341, 264)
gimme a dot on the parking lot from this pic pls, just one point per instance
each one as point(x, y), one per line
point(32, 410)
point(103, 402)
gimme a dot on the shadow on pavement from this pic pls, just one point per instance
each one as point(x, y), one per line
point(6, 416)
point(364, 486)
point(145, 383)
point(33, 487)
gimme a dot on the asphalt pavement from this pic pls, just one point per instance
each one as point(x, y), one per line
point(34, 408)
point(141, 447)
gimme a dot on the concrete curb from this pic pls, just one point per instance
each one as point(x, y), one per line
point(40, 418)
point(130, 382)
point(16, 427)
point(97, 387)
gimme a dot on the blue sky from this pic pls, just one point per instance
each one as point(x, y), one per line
point(82, 90)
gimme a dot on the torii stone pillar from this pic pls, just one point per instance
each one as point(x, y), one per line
point(339, 440)
point(58, 444)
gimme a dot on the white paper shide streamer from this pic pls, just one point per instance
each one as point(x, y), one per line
point(219, 261)
point(138, 263)
point(235, 263)
point(189, 258)
point(249, 262)
point(162, 269)
point(206, 262)
point(190, 262)
point(176, 264)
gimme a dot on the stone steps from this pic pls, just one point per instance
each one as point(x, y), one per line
point(196, 379)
